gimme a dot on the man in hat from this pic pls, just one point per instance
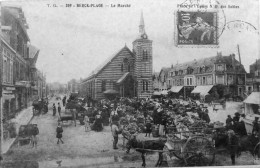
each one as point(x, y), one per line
point(229, 121)
point(236, 121)
point(206, 115)
point(232, 145)
point(35, 132)
point(255, 130)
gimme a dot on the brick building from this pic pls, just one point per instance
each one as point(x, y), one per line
point(17, 64)
point(126, 73)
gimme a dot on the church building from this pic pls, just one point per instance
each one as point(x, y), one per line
point(128, 73)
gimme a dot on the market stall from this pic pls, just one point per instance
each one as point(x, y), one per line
point(251, 110)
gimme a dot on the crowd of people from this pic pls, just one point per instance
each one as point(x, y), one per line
point(146, 115)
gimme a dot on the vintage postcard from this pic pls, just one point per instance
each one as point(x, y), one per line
point(129, 83)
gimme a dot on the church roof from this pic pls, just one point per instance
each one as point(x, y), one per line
point(106, 62)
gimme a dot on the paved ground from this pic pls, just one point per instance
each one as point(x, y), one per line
point(92, 149)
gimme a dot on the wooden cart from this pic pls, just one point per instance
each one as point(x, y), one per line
point(194, 147)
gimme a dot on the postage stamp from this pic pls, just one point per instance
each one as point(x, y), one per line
point(197, 28)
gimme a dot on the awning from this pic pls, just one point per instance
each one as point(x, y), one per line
point(122, 78)
point(203, 90)
point(157, 93)
point(253, 98)
point(164, 92)
point(110, 91)
point(176, 89)
point(22, 84)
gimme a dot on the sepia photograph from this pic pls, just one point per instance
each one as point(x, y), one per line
point(129, 83)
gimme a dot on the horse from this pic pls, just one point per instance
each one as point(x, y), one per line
point(248, 143)
point(145, 146)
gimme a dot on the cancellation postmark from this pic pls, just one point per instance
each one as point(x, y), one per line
point(197, 28)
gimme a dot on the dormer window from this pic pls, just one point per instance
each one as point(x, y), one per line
point(171, 73)
point(180, 72)
point(145, 55)
point(203, 69)
point(220, 67)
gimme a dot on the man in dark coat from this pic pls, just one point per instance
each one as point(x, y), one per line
point(59, 109)
point(206, 116)
point(255, 130)
point(232, 144)
point(54, 109)
point(236, 121)
point(229, 124)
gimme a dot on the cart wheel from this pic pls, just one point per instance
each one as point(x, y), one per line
point(198, 151)
point(257, 150)
point(172, 157)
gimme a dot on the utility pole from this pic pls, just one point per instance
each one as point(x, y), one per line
point(239, 54)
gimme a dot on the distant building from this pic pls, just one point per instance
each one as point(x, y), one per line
point(163, 76)
point(126, 74)
point(255, 75)
point(73, 86)
point(156, 81)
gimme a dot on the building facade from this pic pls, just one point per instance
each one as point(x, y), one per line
point(126, 74)
point(73, 86)
point(254, 82)
point(17, 61)
point(219, 74)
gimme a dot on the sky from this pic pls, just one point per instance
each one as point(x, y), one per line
point(73, 41)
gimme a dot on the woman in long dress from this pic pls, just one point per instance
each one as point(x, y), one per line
point(98, 125)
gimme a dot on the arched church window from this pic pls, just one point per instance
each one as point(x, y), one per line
point(145, 85)
point(145, 55)
point(103, 85)
point(122, 67)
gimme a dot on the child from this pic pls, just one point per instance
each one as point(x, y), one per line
point(59, 131)
point(86, 120)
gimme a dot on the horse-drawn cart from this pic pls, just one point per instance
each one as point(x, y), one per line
point(194, 147)
point(39, 106)
point(25, 133)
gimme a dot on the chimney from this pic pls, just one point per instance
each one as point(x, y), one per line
point(233, 60)
point(172, 66)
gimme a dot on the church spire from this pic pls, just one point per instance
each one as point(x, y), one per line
point(141, 27)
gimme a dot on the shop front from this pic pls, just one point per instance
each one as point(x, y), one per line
point(8, 100)
point(22, 94)
point(8, 109)
point(252, 110)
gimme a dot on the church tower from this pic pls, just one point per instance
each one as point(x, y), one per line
point(142, 49)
